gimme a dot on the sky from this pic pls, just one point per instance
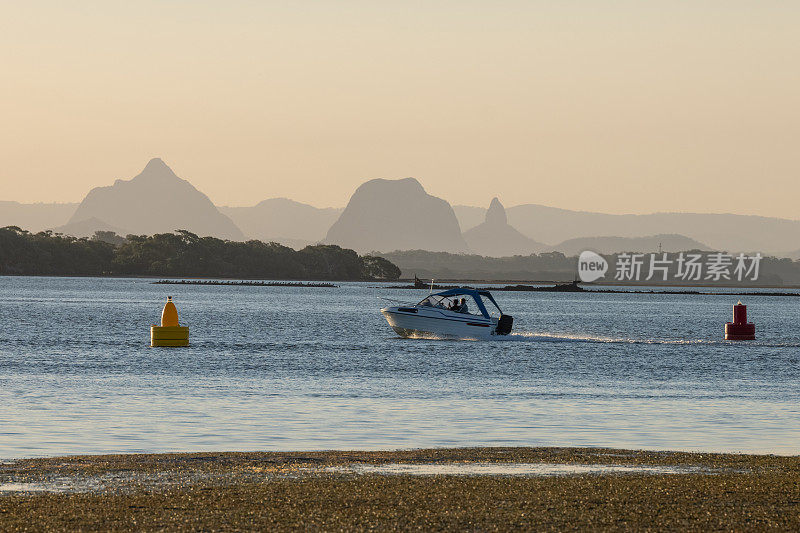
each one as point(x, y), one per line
point(612, 106)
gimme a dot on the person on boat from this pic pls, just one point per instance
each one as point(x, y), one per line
point(454, 305)
point(463, 307)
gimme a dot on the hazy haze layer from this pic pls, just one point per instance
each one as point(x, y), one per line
point(604, 106)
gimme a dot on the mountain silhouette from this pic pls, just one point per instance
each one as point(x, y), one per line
point(88, 227)
point(469, 216)
point(720, 231)
point(612, 245)
point(35, 217)
point(155, 201)
point(734, 233)
point(387, 215)
point(496, 238)
point(282, 220)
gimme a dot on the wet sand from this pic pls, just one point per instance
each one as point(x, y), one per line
point(484, 489)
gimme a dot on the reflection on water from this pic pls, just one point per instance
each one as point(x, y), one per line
point(281, 368)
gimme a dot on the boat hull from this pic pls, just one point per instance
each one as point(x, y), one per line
point(434, 322)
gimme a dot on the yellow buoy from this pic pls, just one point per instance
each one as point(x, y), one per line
point(169, 333)
point(169, 316)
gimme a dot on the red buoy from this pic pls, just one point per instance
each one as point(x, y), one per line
point(740, 329)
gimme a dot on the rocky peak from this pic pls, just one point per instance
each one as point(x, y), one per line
point(156, 169)
point(156, 164)
point(496, 214)
point(155, 201)
point(386, 215)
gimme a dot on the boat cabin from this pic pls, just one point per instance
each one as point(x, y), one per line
point(478, 302)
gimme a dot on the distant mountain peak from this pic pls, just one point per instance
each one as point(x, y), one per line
point(406, 185)
point(495, 237)
point(156, 169)
point(413, 182)
point(398, 214)
point(156, 164)
point(496, 214)
point(155, 201)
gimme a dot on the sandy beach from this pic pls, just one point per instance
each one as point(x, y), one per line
point(482, 489)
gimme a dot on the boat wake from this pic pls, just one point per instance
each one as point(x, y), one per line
point(525, 336)
point(437, 337)
point(577, 337)
point(561, 337)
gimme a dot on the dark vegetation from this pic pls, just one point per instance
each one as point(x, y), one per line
point(559, 268)
point(576, 286)
point(549, 266)
point(180, 254)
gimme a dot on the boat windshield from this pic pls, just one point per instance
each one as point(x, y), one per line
point(442, 302)
point(453, 303)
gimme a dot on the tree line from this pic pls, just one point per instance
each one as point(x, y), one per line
point(180, 254)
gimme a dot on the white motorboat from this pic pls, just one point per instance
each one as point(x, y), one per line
point(442, 314)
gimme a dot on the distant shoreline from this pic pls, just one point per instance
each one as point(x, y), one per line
point(245, 283)
point(576, 288)
point(536, 285)
point(466, 281)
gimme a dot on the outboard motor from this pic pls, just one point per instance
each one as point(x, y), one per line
point(504, 325)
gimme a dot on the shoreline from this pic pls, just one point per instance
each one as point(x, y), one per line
point(595, 488)
point(576, 288)
point(246, 283)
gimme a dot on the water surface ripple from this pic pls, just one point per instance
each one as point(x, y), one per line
point(283, 368)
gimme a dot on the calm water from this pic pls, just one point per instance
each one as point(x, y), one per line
point(291, 368)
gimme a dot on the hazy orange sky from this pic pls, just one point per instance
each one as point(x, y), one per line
point(615, 106)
